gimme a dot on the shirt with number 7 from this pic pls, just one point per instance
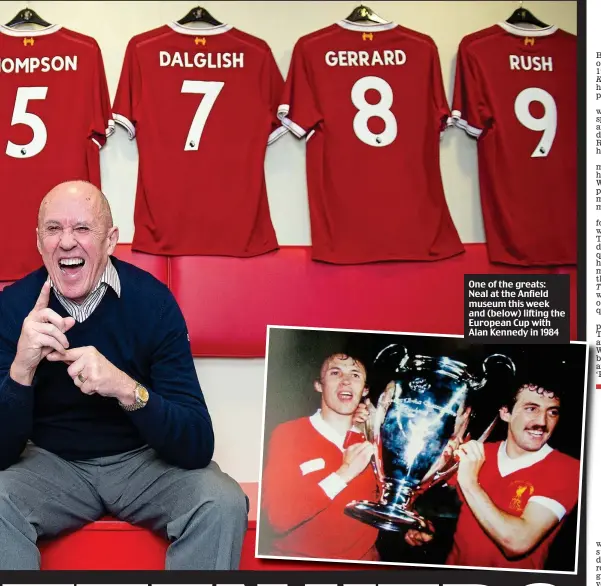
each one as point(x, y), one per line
point(515, 92)
point(202, 104)
point(370, 103)
point(55, 115)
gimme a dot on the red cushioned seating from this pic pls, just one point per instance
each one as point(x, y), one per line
point(155, 265)
point(228, 302)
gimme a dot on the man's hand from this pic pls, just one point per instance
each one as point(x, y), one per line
point(419, 537)
point(93, 373)
point(43, 332)
point(355, 460)
point(471, 457)
point(361, 414)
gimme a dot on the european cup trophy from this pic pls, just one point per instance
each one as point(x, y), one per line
point(423, 413)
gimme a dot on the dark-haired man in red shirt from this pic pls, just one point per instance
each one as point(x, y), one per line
point(516, 493)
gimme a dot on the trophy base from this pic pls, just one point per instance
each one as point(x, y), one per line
point(388, 517)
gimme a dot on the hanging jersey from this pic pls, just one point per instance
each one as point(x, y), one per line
point(515, 91)
point(54, 116)
point(202, 104)
point(370, 102)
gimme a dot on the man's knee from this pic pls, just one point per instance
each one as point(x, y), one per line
point(222, 493)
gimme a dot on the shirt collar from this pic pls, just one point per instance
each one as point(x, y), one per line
point(509, 465)
point(109, 277)
point(326, 430)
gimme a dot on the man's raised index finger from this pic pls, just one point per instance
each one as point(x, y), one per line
point(72, 354)
point(44, 297)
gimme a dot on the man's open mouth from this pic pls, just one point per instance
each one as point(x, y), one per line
point(345, 395)
point(71, 266)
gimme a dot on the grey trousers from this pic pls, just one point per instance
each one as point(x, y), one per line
point(203, 513)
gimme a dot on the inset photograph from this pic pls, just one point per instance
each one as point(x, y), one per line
point(411, 449)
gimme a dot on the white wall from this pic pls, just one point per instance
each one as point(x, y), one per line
point(234, 388)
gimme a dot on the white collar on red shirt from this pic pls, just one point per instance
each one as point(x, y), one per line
point(27, 32)
point(509, 465)
point(524, 31)
point(374, 28)
point(199, 30)
point(326, 430)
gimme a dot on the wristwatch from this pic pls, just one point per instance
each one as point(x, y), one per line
point(141, 396)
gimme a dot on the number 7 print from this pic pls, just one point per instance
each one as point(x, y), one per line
point(211, 90)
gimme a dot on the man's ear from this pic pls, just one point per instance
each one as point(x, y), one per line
point(505, 414)
point(38, 243)
point(365, 391)
point(113, 238)
point(317, 386)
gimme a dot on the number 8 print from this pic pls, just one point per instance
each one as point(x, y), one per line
point(379, 110)
point(547, 124)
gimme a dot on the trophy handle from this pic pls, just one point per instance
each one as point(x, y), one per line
point(445, 473)
point(476, 384)
point(391, 350)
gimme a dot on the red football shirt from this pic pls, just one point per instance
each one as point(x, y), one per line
point(54, 116)
point(371, 104)
point(515, 90)
point(304, 500)
point(203, 105)
point(547, 477)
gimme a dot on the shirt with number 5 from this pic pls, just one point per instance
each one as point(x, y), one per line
point(55, 115)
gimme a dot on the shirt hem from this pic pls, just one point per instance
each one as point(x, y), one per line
point(195, 252)
point(536, 263)
point(320, 257)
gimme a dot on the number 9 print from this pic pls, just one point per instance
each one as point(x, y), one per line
point(547, 124)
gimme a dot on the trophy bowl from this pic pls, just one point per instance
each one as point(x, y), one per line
point(422, 415)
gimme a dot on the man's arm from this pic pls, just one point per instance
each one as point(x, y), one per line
point(516, 536)
point(175, 421)
point(22, 348)
point(294, 491)
point(16, 400)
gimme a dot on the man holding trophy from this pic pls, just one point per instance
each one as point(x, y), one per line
point(311, 473)
point(514, 493)
point(333, 480)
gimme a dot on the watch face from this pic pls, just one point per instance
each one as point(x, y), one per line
point(142, 394)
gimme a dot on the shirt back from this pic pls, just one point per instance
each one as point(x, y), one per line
point(202, 104)
point(515, 91)
point(54, 116)
point(371, 104)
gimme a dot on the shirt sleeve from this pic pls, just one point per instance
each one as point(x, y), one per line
point(101, 124)
point(294, 491)
point(559, 492)
point(126, 101)
point(471, 110)
point(272, 85)
point(298, 109)
point(441, 105)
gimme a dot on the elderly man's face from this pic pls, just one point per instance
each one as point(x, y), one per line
point(74, 239)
